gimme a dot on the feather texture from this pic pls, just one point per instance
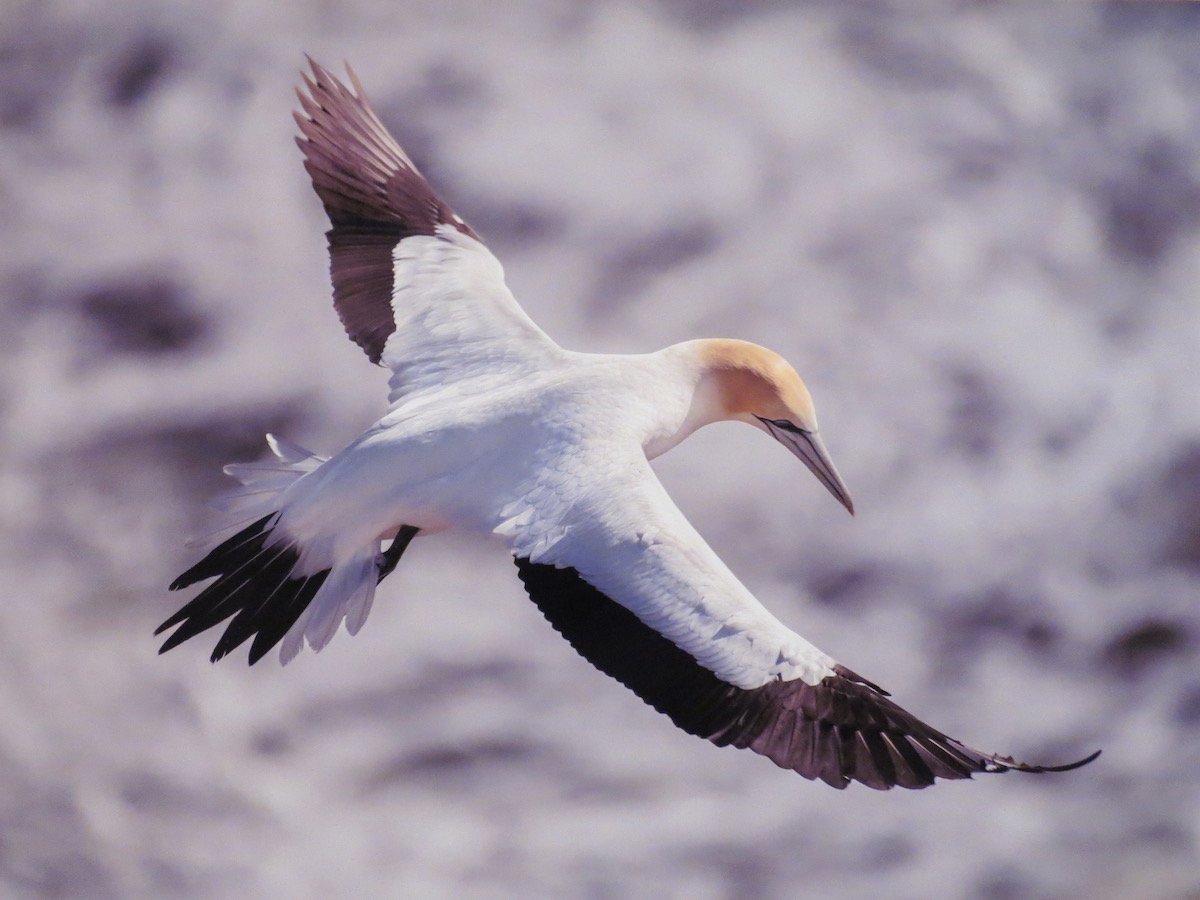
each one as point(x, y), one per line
point(412, 284)
point(839, 730)
point(493, 428)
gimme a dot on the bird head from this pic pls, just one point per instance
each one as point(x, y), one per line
point(758, 386)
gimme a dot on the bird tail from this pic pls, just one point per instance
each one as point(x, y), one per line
point(261, 581)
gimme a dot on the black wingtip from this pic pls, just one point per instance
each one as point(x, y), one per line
point(1067, 767)
point(1007, 763)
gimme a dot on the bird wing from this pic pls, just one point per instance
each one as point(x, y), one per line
point(619, 571)
point(412, 283)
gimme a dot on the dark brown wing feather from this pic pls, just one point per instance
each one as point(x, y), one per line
point(841, 730)
point(374, 196)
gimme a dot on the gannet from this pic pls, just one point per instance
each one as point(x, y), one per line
point(494, 429)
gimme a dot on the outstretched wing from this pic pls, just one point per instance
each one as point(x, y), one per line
point(639, 594)
point(412, 283)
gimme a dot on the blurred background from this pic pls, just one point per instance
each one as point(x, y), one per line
point(975, 229)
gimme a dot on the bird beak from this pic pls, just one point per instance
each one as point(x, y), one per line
point(809, 447)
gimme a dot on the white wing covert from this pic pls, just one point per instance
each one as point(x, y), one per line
point(412, 283)
point(623, 576)
point(603, 552)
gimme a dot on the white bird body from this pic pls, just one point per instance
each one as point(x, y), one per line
point(555, 460)
point(454, 458)
point(493, 429)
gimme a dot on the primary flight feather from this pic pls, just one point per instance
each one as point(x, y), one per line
point(494, 429)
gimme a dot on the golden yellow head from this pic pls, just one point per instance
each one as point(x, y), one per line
point(756, 385)
point(754, 382)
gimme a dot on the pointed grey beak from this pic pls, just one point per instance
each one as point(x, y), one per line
point(809, 447)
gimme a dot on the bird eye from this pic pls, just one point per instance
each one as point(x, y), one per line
point(784, 425)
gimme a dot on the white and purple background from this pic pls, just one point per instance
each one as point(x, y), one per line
point(973, 227)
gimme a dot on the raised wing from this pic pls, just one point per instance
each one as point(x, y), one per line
point(636, 591)
point(412, 283)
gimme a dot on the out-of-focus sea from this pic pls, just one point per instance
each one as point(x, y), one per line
point(973, 227)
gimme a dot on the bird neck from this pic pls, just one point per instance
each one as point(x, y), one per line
point(688, 394)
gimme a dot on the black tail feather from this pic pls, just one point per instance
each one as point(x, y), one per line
point(254, 585)
point(221, 559)
point(269, 590)
point(271, 632)
point(228, 595)
point(210, 601)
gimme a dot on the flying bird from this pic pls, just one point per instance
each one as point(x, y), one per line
point(494, 429)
